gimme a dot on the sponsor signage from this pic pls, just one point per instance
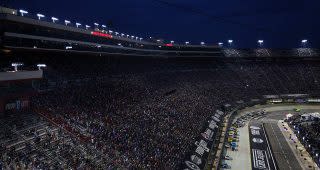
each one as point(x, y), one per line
point(255, 132)
point(212, 124)
point(313, 100)
point(197, 157)
point(261, 156)
point(260, 159)
point(219, 112)
point(17, 105)
point(275, 101)
point(100, 34)
point(207, 134)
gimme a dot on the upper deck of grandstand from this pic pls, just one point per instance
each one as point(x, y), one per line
point(27, 32)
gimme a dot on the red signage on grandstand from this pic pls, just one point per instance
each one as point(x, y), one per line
point(100, 34)
point(169, 45)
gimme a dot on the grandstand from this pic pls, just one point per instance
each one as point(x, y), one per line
point(106, 100)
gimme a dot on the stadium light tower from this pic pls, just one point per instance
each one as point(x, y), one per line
point(40, 16)
point(41, 66)
point(202, 43)
point(87, 26)
point(220, 44)
point(141, 39)
point(128, 36)
point(54, 19)
point(67, 22)
point(22, 12)
point(304, 42)
point(96, 24)
point(132, 37)
point(110, 31)
point(122, 34)
point(171, 42)
point(103, 26)
point(260, 42)
point(187, 42)
point(78, 24)
point(116, 33)
point(16, 65)
point(230, 42)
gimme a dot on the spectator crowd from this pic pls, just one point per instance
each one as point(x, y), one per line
point(142, 120)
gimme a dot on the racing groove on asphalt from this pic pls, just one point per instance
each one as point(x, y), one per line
point(281, 150)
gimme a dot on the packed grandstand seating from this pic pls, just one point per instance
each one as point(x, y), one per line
point(308, 132)
point(128, 116)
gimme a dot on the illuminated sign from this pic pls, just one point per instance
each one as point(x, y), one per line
point(100, 34)
point(169, 45)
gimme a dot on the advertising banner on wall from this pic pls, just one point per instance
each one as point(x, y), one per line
point(17, 105)
point(198, 155)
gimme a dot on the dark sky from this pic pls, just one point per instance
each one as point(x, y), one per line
point(280, 23)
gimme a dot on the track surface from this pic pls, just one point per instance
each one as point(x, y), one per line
point(273, 152)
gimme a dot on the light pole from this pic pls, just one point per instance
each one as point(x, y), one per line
point(260, 42)
point(87, 26)
point(41, 66)
point(54, 19)
point(16, 65)
point(96, 24)
point(202, 43)
point(67, 22)
point(40, 16)
point(230, 42)
point(171, 42)
point(304, 42)
point(187, 42)
point(23, 12)
point(78, 24)
point(220, 44)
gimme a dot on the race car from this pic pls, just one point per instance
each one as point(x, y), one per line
point(297, 109)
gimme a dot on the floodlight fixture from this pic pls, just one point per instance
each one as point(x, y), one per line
point(88, 26)
point(22, 12)
point(40, 16)
point(41, 66)
point(78, 24)
point(67, 22)
point(54, 19)
point(16, 65)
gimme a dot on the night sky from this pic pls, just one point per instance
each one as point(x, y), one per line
point(280, 23)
